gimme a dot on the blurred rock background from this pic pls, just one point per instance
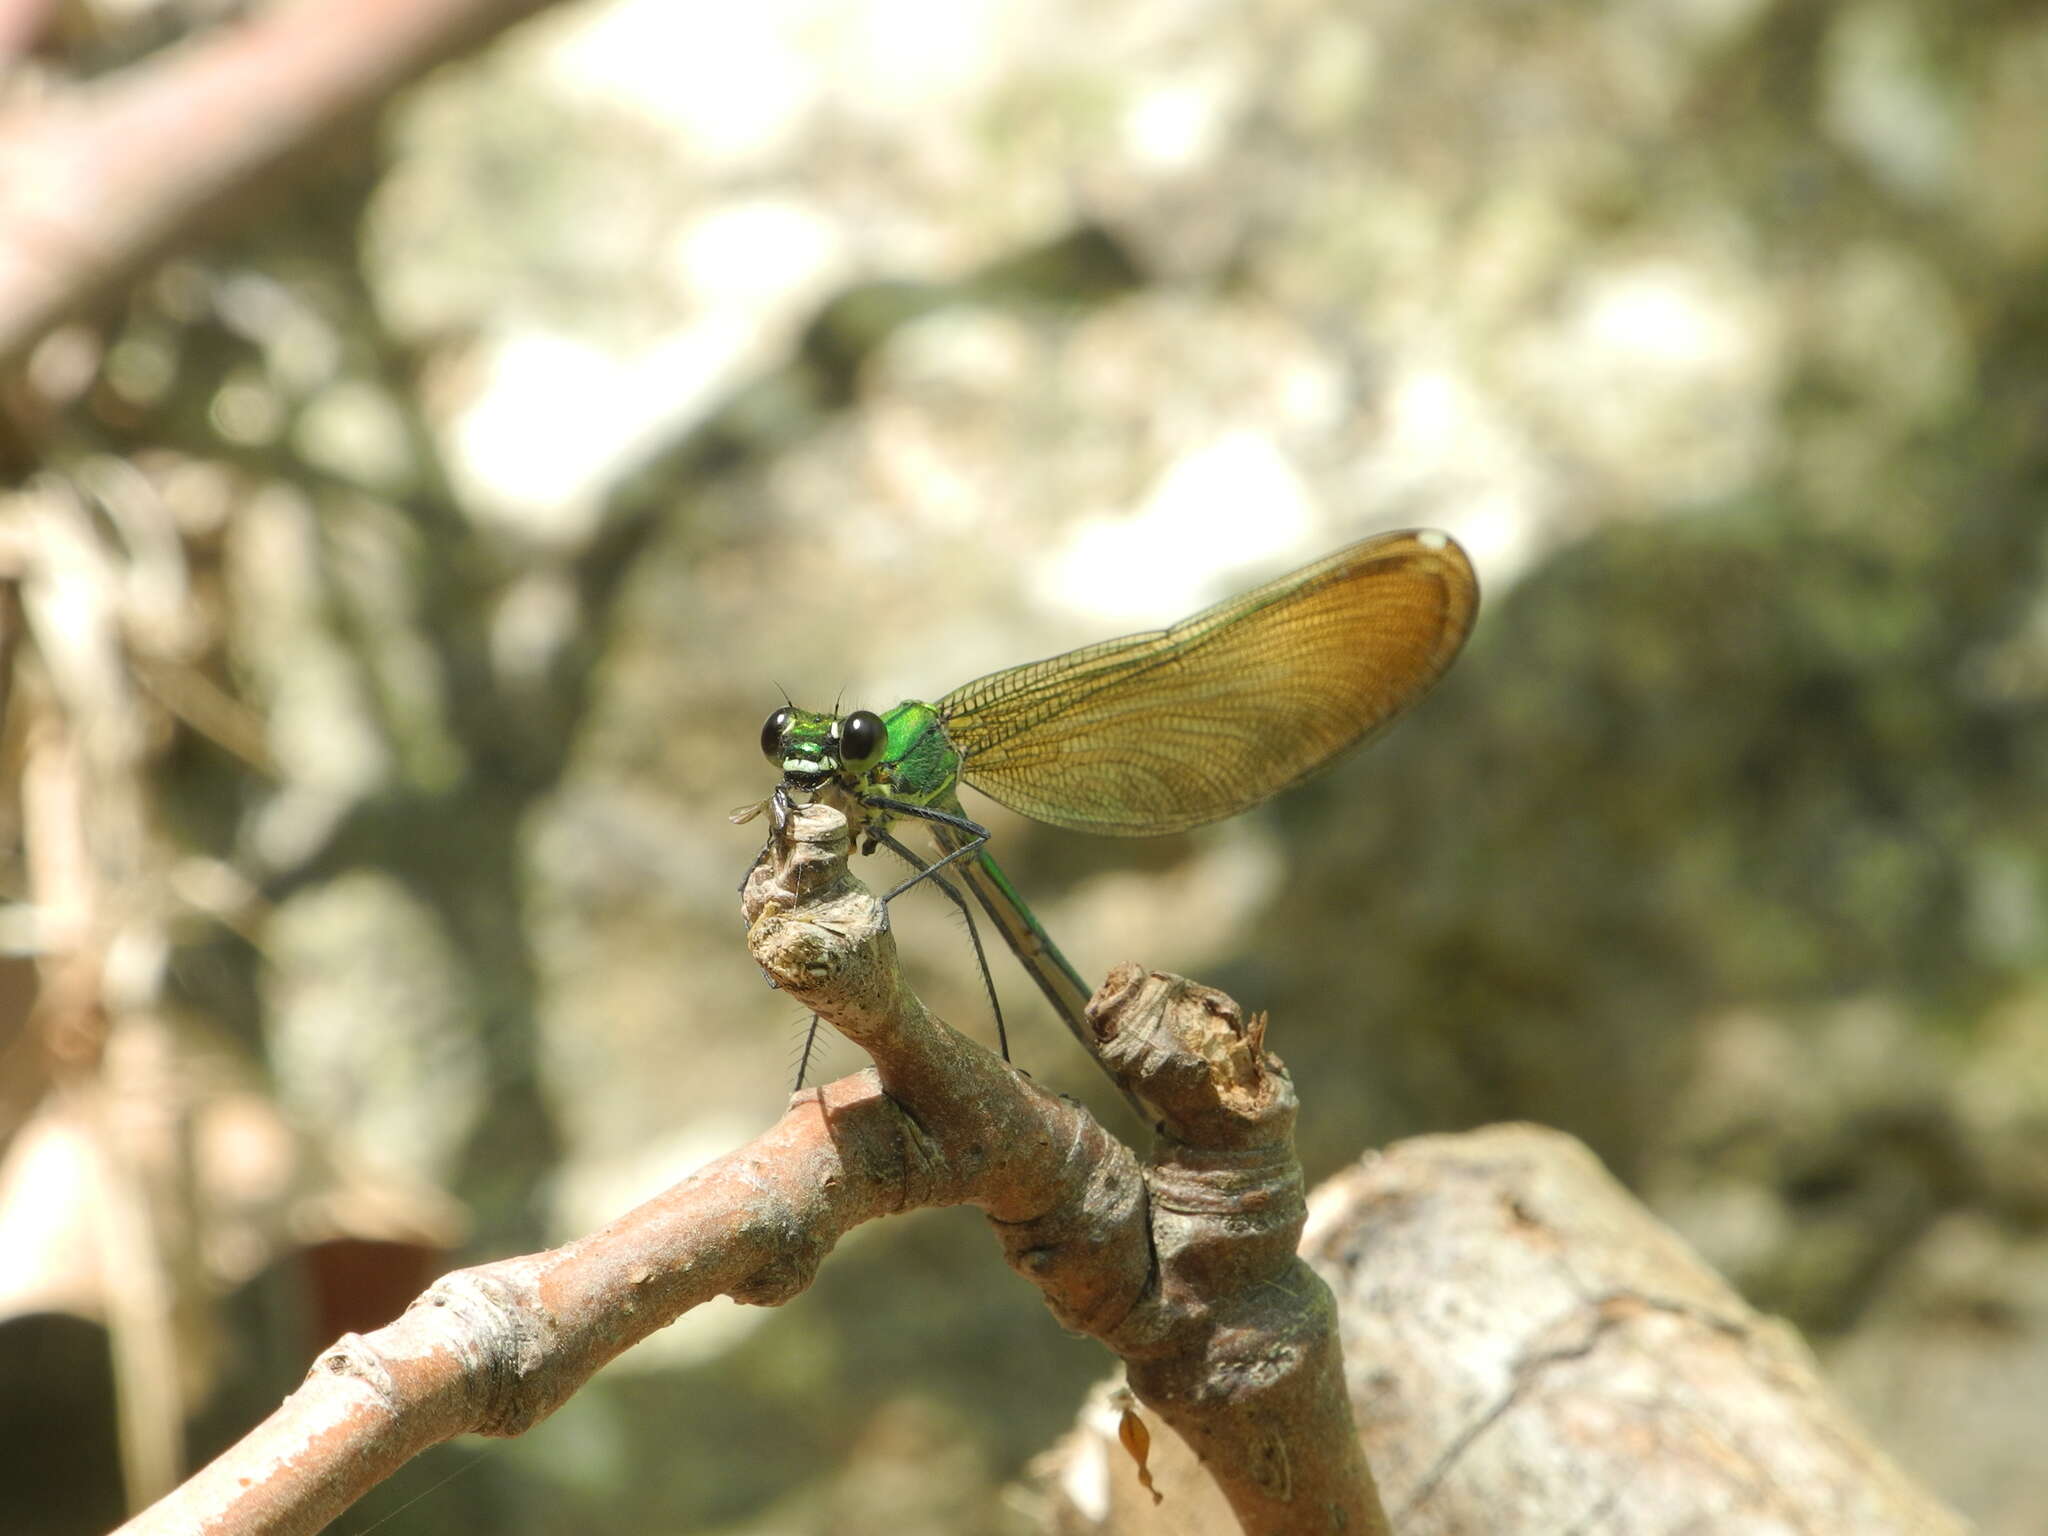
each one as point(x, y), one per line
point(398, 575)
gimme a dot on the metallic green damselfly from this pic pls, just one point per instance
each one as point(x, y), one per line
point(1147, 734)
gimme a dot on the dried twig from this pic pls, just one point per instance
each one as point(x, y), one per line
point(1185, 1267)
point(1191, 1277)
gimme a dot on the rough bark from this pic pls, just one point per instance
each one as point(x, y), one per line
point(1530, 1350)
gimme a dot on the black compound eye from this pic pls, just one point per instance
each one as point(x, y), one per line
point(771, 736)
point(862, 738)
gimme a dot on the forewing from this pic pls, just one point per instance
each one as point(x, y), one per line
point(1176, 727)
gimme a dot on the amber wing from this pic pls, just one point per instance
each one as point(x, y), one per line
point(1176, 727)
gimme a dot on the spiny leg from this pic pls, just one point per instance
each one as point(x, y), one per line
point(975, 833)
point(929, 870)
point(803, 1057)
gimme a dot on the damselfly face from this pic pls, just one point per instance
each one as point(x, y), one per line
point(813, 750)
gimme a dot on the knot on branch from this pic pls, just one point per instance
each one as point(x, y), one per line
point(1086, 1253)
point(795, 1246)
point(1190, 1054)
point(1250, 1184)
point(492, 1328)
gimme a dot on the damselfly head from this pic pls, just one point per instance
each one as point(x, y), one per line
point(812, 749)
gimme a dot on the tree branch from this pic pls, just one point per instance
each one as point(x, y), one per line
point(1546, 1346)
point(1185, 1267)
point(1191, 1275)
point(1537, 1353)
point(96, 186)
point(494, 1350)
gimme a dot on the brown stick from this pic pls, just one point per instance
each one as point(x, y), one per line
point(95, 186)
point(496, 1349)
point(1185, 1268)
point(1190, 1277)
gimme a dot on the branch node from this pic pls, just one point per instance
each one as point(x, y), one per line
point(1189, 1052)
point(495, 1332)
point(351, 1355)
